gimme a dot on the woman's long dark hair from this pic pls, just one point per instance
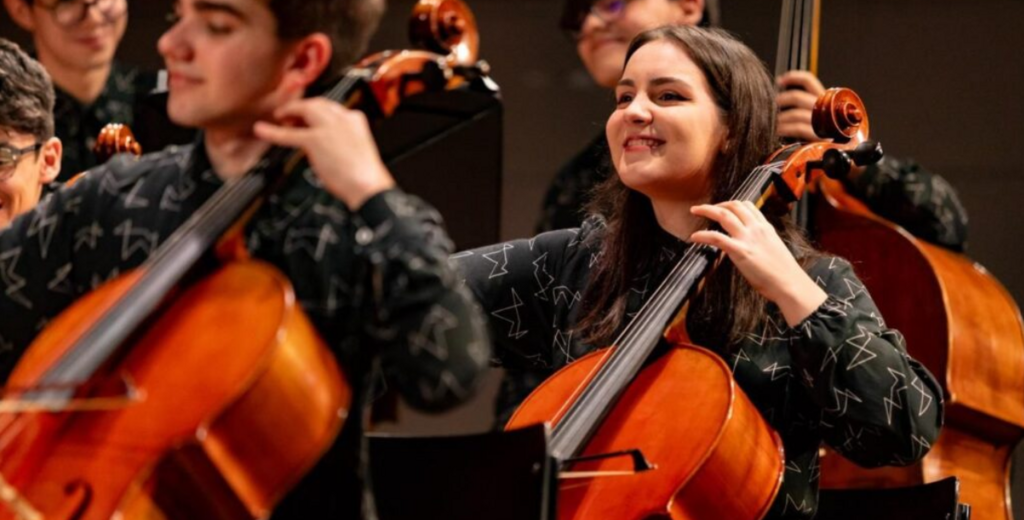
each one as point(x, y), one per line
point(728, 307)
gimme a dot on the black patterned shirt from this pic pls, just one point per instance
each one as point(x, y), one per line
point(900, 190)
point(840, 377)
point(374, 282)
point(78, 125)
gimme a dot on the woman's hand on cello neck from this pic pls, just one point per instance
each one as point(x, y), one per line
point(761, 256)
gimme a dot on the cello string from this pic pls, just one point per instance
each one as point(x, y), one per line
point(170, 263)
point(623, 363)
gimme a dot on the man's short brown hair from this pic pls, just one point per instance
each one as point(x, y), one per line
point(26, 93)
point(348, 23)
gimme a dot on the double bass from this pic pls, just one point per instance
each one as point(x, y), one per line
point(642, 436)
point(141, 400)
point(958, 320)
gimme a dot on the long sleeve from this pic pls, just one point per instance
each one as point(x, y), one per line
point(920, 201)
point(38, 274)
point(432, 339)
point(878, 405)
point(531, 292)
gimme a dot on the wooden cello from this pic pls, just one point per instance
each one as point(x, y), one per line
point(957, 319)
point(139, 400)
point(641, 438)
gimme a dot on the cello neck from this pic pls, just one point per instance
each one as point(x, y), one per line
point(798, 36)
point(169, 264)
point(638, 340)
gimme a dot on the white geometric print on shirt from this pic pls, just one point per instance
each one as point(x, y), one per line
point(43, 224)
point(133, 200)
point(862, 348)
point(776, 371)
point(60, 283)
point(894, 400)
point(565, 295)
point(739, 355)
point(921, 445)
point(314, 241)
point(13, 282)
point(854, 289)
point(926, 398)
point(842, 399)
point(88, 236)
point(135, 239)
point(802, 507)
point(542, 276)
point(516, 324)
point(563, 344)
point(500, 266)
point(432, 335)
point(173, 197)
point(771, 333)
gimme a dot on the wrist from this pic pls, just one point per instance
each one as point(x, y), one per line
point(355, 195)
point(798, 300)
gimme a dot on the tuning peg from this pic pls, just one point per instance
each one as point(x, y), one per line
point(868, 152)
point(835, 163)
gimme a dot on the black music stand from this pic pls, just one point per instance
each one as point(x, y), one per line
point(445, 147)
point(935, 501)
point(493, 476)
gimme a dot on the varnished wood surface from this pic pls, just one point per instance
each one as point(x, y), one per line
point(231, 386)
point(964, 327)
point(688, 417)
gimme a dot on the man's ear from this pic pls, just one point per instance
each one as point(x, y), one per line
point(21, 13)
point(50, 154)
point(307, 59)
point(690, 12)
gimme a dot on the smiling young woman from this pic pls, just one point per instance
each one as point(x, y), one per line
point(695, 114)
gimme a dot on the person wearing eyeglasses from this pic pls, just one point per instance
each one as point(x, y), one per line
point(76, 40)
point(29, 153)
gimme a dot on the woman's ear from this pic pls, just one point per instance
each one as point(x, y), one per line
point(50, 153)
point(308, 58)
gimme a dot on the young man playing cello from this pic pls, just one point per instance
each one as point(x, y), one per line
point(367, 261)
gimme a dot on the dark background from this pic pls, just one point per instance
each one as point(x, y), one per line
point(942, 79)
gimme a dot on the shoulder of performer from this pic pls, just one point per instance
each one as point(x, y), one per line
point(123, 171)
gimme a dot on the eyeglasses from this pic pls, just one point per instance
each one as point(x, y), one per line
point(69, 13)
point(607, 11)
point(9, 156)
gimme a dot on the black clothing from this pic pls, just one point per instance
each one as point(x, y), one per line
point(840, 377)
point(79, 125)
point(374, 282)
point(920, 201)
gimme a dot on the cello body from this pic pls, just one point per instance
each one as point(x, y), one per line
point(186, 424)
point(963, 325)
point(690, 420)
